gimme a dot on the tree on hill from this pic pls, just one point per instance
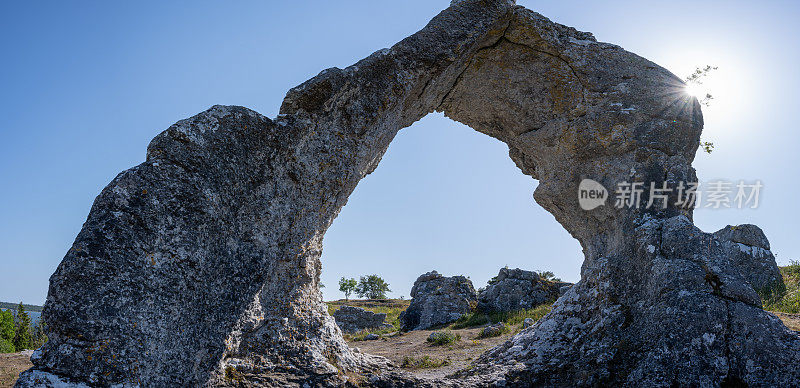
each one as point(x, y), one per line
point(548, 275)
point(372, 287)
point(7, 331)
point(22, 335)
point(347, 286)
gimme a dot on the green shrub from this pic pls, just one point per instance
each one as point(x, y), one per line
point(423, 362)
point(446, 337)
point(511, 318)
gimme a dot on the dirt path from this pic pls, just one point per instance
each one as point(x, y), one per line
point(791, 321)
point(11, 364)
point(414, 345)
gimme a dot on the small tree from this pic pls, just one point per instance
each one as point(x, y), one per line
point(347, 286)
point(547, 275)
point(372, 287)
point(7, 331)
point(22, 335)
point(38, 336)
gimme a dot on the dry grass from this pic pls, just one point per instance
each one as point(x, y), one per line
point(11, 364)
point(424, 362)
point(786, 300)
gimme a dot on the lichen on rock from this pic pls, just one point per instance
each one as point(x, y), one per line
point(517, 289)
point(437, 300)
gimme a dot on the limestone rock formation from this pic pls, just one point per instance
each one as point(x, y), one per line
point(203, 262)
point(684, 315)
point(517, 289)
point(354, 319)
point(748, 248)
point(437, 300)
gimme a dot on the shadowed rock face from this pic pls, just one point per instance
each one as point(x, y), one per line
point(353, 319)
point(201, 266)
point(748, 248)
point(437, 300)
point(517, 289)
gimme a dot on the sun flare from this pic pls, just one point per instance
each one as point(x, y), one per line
point(695, 90)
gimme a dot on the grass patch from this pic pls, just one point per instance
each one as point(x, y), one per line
point(445, 337)
point(423, 362)
point(785, 300)
point(359, 336)
point(511, 318)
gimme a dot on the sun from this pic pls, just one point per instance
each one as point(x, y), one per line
point(695, 90)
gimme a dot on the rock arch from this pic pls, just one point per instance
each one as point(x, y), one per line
point(201, 265)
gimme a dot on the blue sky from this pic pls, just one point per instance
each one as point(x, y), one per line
point(86, 85)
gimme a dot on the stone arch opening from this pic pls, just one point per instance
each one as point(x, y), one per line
point(218, 234)
point(444, 198)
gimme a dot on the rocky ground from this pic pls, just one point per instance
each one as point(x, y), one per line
point(460, 355)
point(411, 348)
point(791, 321)
point(11, 364)
point(398, 348)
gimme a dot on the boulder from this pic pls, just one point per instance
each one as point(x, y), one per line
point(748, 249)
point(371, 337)
point(676, 278)
point(354, 319)
point(516, 289)
point(438, 300)
point(494, 330)
point(528, 322)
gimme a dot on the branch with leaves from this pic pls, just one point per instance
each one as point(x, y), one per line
point(696, 79)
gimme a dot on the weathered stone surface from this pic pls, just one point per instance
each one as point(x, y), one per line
point(437, 300)
point(528, 322)
point(354, 319)
point(684, 315)
point(494, 330)
point(517, 289)
point(205, 258)
point(748, 248)
point(371, 337)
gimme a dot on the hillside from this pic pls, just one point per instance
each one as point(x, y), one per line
point(13, 306)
